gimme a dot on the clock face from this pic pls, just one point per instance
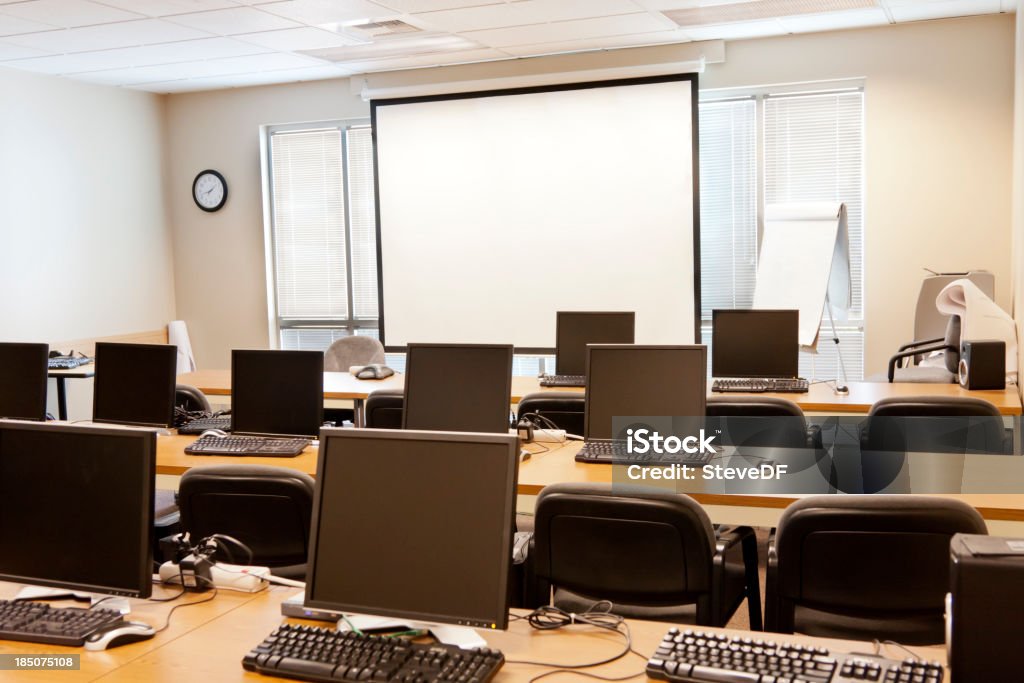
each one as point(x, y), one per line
point(209, 190)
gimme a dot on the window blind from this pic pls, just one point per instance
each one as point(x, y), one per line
point(363, 222)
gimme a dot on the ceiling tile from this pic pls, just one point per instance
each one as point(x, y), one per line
point(327, 11)
point(290, 39)
point(167, 53)
point(807, 23)
point(213, 67)
point(411, 6)
point(418, 61)
point(940, 9)
point(523, 13)
point(9, 51)
point(160, 8)
point(631, 40)
point(228, 22)
point(737, 31)
point(68, 13)
point(108, 36)
point(641, 22)
point(10, 26)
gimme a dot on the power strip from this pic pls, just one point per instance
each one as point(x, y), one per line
point(234, 577)
point(549, 435)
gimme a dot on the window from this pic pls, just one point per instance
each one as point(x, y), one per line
point(771, 147)
point(322, 245)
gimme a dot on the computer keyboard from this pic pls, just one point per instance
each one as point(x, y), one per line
point(325, 654)
point(563, 380)
point(247, 445)
point(796, 385)
point(34, 622)
point(615, 451)
point(201, 424)
point(67, 362)
point(699, 657)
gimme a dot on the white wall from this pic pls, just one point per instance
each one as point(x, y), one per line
point(85, 247)
point(939, 108)
point(1018, 189)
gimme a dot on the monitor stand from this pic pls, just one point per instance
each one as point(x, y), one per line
point(38, 593)
point(460, 636)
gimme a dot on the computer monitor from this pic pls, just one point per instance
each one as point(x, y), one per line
point(576, 329)
point(458, 387)
point(277, 393)
point(414, 525)
point(23, 369)
point(134, 384)
point(631, 380)
point(755, 343)
point(76, 507)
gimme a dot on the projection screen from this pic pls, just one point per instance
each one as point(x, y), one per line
point(496, 209)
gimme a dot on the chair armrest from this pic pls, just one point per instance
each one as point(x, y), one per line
point(921, 342)
point(814, 439)
point(906, 354)
point(728, 539)
point(771, 606)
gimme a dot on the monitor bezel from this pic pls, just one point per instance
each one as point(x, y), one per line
point(268, 353)
point(173, 376)
point(408, 373)
point(45, 348)
point(328, 434)
point(146, 515)
point(634, 347)
point(558, 332)
point(746, 312)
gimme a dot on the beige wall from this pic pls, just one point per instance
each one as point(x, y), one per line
point(939, 107)
point(1018, 189)
point(85, 248)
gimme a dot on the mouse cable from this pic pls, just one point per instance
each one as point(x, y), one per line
point(167, 622)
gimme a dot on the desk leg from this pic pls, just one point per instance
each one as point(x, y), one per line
point(62, 399)
point(358, 418)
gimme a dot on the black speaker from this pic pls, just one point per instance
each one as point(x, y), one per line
point(982, 365)
point(985, 608)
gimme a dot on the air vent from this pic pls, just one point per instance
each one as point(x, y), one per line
point(761, 9)
point(382, 29)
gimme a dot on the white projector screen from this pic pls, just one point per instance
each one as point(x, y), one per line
point(497, 209)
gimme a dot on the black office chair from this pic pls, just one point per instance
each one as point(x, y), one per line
point(191, 399)
point(268, 508)
point(864, 567)
point(934, 424)
point(945, 373)
point(383, 409)
point(757, 422)
point(564, 408)
point(653, 555)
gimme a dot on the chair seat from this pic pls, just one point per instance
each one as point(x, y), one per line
point(917, 375)
point(925, 629)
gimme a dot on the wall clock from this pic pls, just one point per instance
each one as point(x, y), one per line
point(210, 190)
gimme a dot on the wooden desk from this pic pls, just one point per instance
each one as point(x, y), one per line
point(820, 399)
point(214, 651)
point(81, 372)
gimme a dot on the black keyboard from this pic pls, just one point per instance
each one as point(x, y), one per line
point(796, 385)
point(325, 654)
point(67, 362)
point(563, 380)
point(247, 445)
point(201, 424)
point(34, 622)
point(615, 451)
point(699, 657)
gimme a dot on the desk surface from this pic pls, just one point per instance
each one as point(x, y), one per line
point(558, 465)
point(821, 398)
point(207, 643)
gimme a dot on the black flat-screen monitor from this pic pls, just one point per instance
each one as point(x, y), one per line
point(458, 387)
point(755, 343)
point(277, 393)
point(576, 329)
point(632, 380)
point(76, 507)
point(370, 550)
point(23, 369)
point(134, 384)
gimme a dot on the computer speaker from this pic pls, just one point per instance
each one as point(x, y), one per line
point(982, 365)
point(985, 608)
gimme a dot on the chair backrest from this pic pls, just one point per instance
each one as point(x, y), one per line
point(565, 408)
point(354, 350)
point(759, 421)
point(634, 547)
point(191, 399)
point(383, 409)
point(936, 424)
point(868, 555)
point(266, 507)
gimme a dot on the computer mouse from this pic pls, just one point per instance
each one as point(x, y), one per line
point(374, 371)
point(122, 633)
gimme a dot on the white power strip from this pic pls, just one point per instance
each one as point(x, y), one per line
point(233, 577)
point(549, 435)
